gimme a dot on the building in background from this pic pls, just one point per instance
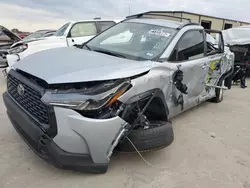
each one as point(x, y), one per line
point(208, 22)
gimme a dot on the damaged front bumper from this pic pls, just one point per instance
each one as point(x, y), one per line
point(81, 144)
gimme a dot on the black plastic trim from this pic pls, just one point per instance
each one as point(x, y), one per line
point(156, 13)
point(52, 131)
point(187, 24)
point(44, 146)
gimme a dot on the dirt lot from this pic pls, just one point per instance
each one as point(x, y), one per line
point(211, 149)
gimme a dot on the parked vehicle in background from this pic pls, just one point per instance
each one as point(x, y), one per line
point(238, 40)
point(22, 35)
point(49, 34)
point(70, 34)
point(7, 39)
point(39, 34)
point(75, 105)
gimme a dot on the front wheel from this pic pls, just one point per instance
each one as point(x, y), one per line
point(158, 136)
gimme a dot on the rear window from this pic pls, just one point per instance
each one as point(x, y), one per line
point(105, 25)
point(83, 29)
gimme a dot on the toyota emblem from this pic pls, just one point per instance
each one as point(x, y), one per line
point(20, 89)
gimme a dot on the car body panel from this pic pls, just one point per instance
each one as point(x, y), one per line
point(24, 42)
point(78, 40)
point(95, 135)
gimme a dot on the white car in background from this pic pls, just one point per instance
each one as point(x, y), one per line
point(70, 34)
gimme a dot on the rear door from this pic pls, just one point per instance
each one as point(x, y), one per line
point(81, 32)
point(189, 56)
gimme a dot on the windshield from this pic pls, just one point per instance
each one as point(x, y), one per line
point(137, 41)
point(61, 31)
point(34, 35)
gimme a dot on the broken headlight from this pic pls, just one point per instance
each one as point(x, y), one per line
point(86, 101)
point(18, 49)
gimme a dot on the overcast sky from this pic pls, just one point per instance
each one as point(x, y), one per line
point(32, 15)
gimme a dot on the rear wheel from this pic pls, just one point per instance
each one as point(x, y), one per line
point(159, 135)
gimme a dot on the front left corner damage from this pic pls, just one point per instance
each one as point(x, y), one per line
point(95, 136)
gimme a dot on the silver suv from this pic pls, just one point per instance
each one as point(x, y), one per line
point(75, 105)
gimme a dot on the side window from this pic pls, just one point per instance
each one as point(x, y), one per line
point(105, 25)
point(189, 47)
point(83, 29)
point(214, 45)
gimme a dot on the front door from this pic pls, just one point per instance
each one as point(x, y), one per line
point(217, 60)
point(215, 69)
point(189, 58)
point(81, 32)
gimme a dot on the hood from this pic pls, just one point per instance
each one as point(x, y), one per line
point(36, 41)
point(70, 64)
point(48, 40)
point(25, 41)
point(10, 34)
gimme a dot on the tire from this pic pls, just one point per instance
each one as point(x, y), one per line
point(218, 93)
point(228, 82)
point(154, 138)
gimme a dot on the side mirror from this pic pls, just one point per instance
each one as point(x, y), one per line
point(3, 63)
point(80, 45)
point(221, 43)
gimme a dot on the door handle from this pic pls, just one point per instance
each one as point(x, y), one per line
point(72, 40)
point(204, 66)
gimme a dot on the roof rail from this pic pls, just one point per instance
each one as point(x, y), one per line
point(156, 13)
point(187, 24)
point(97, 18)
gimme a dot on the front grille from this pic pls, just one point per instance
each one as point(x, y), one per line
point(30, 100)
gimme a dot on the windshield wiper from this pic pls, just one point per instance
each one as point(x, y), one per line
point(87, 47)
point(82, 45)
point(110, 53)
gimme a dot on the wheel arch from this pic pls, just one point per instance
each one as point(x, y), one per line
point(157, 108)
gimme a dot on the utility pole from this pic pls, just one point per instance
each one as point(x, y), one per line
point(129, 10)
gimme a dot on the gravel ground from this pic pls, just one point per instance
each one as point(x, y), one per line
point(210, 150)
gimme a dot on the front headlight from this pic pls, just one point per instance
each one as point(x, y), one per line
point(86, 102)
point(18, 49)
